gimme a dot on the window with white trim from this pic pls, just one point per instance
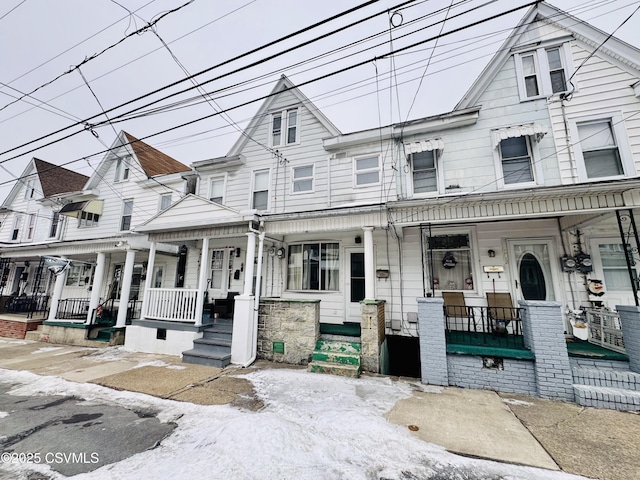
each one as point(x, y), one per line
point(216, 190)
point(122, 169)
point(284, 127)
point(614, 267)
point(158, 276)
point(31, 226)
point(543, 71)
point(366, 171)
point(127, 212)
point(314, 266)
point(260, 190)
point(516, 159)
point(424, 176)
point(601, 147)
point(218, 270)
point(165, 202)
point(15, 235)
point(55, 223)
point(29, 190)
point(88, 219)
point(448, 261)
point(302, 178)
point(80, 275)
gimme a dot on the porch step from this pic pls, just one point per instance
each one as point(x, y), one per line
point(214, 348)
point(606, 377)
point(338, 357)
point(607, 397)
point(103, 335)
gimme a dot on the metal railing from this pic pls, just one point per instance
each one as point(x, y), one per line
point(172, 304)
point(107, 311)
point(73, 309)
point(33, 305)
point(604, 329)
point(499, 327)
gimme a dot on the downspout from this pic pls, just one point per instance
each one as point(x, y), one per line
point(328, 181)
point(256, 304)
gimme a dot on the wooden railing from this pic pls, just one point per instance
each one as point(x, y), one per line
point(604, 329)
point(172, 304)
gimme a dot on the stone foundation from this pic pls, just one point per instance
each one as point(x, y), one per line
point(372, 334)
point(288, 330)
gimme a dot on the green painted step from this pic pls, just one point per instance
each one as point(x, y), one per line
point(103, 335)
point(338, 346)
point(335, 357)
point(346, 329)
point(352, 371)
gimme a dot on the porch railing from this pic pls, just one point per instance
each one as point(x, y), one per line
point(33, 305)
point(172, 304)
point(604, 329)
point(498, 327)
point(73, 309)
point(107, 312)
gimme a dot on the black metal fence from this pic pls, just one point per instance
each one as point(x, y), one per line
point(34, 305)
point(499, 327)
point(107, 311)
point(73, 309)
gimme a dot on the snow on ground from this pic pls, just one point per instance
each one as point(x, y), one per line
point(513, 401)
point(160, 363)
point(46, 349)
point(312, 427)
point(109, 354)
point(4, 414)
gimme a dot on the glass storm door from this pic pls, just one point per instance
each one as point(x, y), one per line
point(354, 285)
point(531, 270)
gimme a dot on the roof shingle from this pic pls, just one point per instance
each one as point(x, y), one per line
point(55, 179)
point(153, 161)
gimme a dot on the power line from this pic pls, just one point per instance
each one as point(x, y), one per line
point(12, 9)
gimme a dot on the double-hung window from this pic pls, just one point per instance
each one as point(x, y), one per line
point(601, 147)
point(15, 235)
point(127, 212)
point(516, 159)
point(314, 266)
point(302, 178)
point(543, 71)
point(423, 172)
point(55, 221)
point(216, 190)
point(29, 190)
point(260, 192)
point(31, 226)
point(284, 127)
point(366, 171)
point(122, 169)
point(217, 269)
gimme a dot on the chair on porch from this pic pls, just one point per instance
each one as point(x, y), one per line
point(501, 310)
point(456, 308)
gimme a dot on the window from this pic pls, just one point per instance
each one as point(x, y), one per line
point(88, 219)
point(165, 201)
point(216, 190)
point(314, 266)
point(260, 196)
point(31, 227)
point(122, 169)
point(29, 190)
point(366, 171)
point(55, 221)
point(16, 227)
point(614, 267)
point(599, 150)
point(448, 261)
point(80, 275)
point(423, 171)
point(127, 211)
point(284, 127)
point(302, 178)
point(158, 275)
point(515, 156)
point(217, 269)
point(136, 278)
point(544, 71)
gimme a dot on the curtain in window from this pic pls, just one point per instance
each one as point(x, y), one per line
point(331, 266)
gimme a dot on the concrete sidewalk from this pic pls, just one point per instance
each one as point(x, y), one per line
point(508, 428)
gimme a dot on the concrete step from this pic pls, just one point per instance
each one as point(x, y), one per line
point(606, 377)
point(228, 329)
point(219, 360)
point(607, 397)
point(338, 346)
point(209, 345)
point(336, 357)
point(216, 335)
point(352, 371)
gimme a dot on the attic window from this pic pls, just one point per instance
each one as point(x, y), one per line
point(284, 127)
point(122, 169)
point(29, 191)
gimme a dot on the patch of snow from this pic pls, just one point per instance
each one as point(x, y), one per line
point(109, 354)
point(513, 401)
point(46, 349)
point(160, 363)
point(13, 342)
point(84, 349)
point(312, 427)
point(4, 414)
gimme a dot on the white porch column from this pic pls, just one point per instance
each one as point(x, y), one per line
point(149, 280)
point(202, 280)
point(96, 288)
point(126, 288)
point(248, 264)
point(369, 265)
point(57, 294)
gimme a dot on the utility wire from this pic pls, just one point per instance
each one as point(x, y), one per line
point(12, 9)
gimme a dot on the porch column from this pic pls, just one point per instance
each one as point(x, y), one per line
point(369, 267)
point(202, 280)
point(57, 293)
point(149, 280)
point(126, 288)
point(248, 264)
point(96, 288)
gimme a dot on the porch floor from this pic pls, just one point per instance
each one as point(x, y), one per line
point(583, 349)
point(345, 329)
point(486, 344)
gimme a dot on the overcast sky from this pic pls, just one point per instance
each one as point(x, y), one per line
point(42, 39)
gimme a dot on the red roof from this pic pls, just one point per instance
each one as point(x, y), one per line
point(153, 161)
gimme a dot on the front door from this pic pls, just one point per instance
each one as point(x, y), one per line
point(531, 269)
point(354, 284)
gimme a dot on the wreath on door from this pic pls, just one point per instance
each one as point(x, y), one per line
point(449, 261)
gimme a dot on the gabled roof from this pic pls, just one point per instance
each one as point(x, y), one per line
point(283, 85)
point(53, 179)
point(153, 161)
point(619, 52)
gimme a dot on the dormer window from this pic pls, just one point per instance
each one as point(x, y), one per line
point(122, 169)
point(284, 127)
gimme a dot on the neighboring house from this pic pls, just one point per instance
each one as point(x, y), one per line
point(106, 260)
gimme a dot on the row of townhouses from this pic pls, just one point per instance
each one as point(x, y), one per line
point(481, 247)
